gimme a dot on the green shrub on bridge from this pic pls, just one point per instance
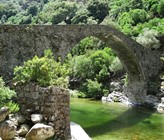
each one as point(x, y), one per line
point(45, 71)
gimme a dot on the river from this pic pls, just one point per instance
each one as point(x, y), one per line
point(115, 121)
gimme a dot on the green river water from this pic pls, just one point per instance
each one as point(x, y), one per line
point(114, 121)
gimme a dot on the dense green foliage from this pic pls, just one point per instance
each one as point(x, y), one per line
point(132, 16)
point(129, 16)
point(92, 67)
point(6, 95)
point(45, 71)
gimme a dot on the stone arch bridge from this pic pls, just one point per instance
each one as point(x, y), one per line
point(20, 43)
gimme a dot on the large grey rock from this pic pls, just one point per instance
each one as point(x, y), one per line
point(160, 107)
point(23, 130)
point(78, 133)
point(104, 99)
point(4, 112)
point(36, 118)
point(116, 96)
point(151, 101)
point(7, 130)
point(116, 86)
point(162, 100)
point(40, 132)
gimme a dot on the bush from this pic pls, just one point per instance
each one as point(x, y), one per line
point(81, 17)
point(33, 10)
point(88, 43)
point(57, 11)
point(94, 89)
point(93, 65)
point(160, 8)
point(138, 16)
point(103, 74)
point(148, 39)
point(126, 79)
point(156, 24)
point(98, 9)
point(45, 71)
point(100, 58)
point(6, 95)
point(116, 65)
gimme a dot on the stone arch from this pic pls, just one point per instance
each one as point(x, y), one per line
point(125, 54)
point(142, 64)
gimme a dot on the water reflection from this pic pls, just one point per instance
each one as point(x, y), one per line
point(114, 121)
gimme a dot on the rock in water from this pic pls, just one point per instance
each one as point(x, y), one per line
point(4, 112)
point(40, 132)
point(7, 130)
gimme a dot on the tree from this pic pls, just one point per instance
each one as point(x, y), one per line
point(148, 39)
point(33, 10)
point(58, 11)
point(8, 10)
point(160, 8)
point(94, 89)
point(135, 4)
point(6, 97)
point(80, 18)
point(138, 16)
point(98, 9)
point(26, 19)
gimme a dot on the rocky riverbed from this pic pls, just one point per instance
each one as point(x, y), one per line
point(15, 127)
point(151, 101)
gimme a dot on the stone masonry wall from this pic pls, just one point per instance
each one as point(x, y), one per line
point(20, 43)
point(51, 102)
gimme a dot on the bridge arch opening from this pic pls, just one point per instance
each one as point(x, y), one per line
point(94, 61)
point(130, 64)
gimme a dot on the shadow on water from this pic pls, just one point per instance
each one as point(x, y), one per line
point(116, 121)
point(129, 118)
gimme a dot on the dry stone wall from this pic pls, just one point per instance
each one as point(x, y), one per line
point(51, 102)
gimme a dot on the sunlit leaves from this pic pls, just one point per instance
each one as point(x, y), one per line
point(45, 71)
